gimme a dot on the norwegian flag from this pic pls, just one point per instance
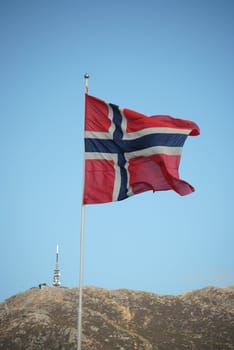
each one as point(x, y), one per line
point(128, 153)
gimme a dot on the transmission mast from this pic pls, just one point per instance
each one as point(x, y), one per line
point(56, 279)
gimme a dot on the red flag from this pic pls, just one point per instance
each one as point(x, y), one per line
point(128, 153)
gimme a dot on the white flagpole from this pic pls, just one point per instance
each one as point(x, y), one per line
point(79, 331)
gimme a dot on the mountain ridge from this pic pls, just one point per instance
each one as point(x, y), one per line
point(46, 318)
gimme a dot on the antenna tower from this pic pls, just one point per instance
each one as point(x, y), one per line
point(56, 278)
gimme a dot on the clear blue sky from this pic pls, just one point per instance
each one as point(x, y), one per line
point(156, 57)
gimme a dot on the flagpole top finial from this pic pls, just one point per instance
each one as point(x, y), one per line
point(86, 76)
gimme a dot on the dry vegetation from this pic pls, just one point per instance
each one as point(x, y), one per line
point(46, 318)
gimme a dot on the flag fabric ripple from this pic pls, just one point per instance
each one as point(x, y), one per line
point(127, 153)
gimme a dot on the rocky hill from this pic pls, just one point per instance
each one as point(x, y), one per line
point(46, 318)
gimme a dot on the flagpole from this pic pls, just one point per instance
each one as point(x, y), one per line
point(79, 330)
